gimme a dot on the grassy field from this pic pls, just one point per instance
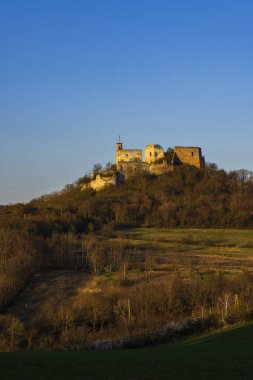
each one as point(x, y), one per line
point(227, 235)
point(224, 355)
point(206, 250)
point(220, 355)
point(185, 251)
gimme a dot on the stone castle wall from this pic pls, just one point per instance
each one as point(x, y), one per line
point(188, 156)
point(153, 153)
point(162, 168)
point(100, 181)
point(132, 169)
point(127, 155)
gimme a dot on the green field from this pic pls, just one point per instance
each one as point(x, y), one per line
point(224, 355)
point(240, 241)
point(227, 235)
point(205, 250)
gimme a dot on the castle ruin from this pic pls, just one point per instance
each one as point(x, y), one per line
point(154, 155)
point(129, 163)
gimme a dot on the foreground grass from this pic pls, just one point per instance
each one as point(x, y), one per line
point(225, 355)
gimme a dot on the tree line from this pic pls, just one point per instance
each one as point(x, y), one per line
point(186, 197)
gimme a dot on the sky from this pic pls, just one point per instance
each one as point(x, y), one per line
point(75, 74)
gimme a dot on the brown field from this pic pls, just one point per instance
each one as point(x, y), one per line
point(154, 253)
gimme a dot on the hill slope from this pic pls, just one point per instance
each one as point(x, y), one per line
point(186, 197)
point(142, 279)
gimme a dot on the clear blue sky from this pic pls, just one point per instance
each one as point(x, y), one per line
point(74, 74)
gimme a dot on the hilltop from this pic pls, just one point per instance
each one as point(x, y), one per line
point(185, 197)
point(129, 163)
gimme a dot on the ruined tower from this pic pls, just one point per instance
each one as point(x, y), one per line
point(127, 155)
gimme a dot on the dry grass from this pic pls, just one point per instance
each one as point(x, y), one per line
point(52, 287)
point(152, 255)
point(196, 249)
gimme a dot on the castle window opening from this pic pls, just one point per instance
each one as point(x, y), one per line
point(126, 154)
point(150, 154)
point(132, 154)
point(192, 154)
